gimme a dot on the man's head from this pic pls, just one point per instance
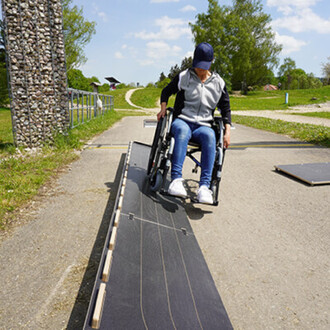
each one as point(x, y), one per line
point(203, 56)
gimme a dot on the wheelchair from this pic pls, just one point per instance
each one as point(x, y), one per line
point(161, 152)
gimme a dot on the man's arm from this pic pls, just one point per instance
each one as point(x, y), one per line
point(224, 107)
point(170, 89)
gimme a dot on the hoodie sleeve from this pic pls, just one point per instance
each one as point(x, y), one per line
point(224, 107)
point(170, 89)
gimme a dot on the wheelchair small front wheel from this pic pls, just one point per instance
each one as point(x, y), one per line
point(215, 190)
point(156, 181)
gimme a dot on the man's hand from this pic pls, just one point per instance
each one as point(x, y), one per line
point(226, 137)
point(162, 112)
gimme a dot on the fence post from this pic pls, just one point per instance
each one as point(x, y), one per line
point(81, 109)
point(71, 110)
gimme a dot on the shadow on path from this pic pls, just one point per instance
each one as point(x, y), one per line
point(80, 308)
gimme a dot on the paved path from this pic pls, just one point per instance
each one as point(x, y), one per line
point(267, 244)
point(128, 97)
point(288, 116)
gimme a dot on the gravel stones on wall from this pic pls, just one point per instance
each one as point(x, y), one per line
point(37, 70)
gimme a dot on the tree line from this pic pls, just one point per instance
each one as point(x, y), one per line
point(245, 50)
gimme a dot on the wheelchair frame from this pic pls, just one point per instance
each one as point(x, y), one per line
point(162, 149)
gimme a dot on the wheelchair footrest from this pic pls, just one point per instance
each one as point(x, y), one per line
point(195, 201)
point(192, 199)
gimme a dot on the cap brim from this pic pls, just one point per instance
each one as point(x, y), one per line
point(205, 65)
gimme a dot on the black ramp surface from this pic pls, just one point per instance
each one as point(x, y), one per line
point(313, 173)
point(159, 278)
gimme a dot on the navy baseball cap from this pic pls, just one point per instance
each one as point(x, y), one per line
point(203, 56)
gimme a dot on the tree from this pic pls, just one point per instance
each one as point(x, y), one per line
point(185, 64)
point(161, 77)
point(77, 34)
point(288, 65)
point(77, 80)
point(292, 77)
point(163, 83)
point(174, 71)
point(255, 50)
point(104, 88)
point(243, 41)
point(212, 27)
point(285, 71)
point(326, 71)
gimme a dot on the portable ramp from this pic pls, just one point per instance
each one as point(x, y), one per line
point(311, 173)
point(152, 273)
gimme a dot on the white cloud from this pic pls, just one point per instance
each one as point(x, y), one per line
point(304, 20)
point(100, 13)
point(161, 1)
point(290, 44)
point(188, 8)
point(170, 29)
point(292, 3)
point(160, 49)
point(189, 54)
point(119, 55)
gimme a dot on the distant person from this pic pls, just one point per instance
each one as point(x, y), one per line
point(199, 92)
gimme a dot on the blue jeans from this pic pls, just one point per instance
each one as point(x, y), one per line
point(184, 131)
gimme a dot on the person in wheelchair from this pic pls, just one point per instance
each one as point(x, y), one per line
point(198, 93)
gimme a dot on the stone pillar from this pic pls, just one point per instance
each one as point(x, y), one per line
point(37, 70)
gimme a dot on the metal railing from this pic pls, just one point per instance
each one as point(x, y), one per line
point(83, 105)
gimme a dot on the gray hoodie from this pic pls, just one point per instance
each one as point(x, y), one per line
point(196, 101)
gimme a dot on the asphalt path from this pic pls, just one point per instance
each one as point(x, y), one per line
point(266, 244)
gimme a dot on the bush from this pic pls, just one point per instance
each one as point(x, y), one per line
point(163, 83)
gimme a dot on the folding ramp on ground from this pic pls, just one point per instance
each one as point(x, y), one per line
point(152, 273)
point(311, 173)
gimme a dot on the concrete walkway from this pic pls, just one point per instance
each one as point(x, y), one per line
point(266, 244)
point(291, 115)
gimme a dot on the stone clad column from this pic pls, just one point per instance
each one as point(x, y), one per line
point(37, 70)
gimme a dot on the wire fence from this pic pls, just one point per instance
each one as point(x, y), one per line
point(84, 106)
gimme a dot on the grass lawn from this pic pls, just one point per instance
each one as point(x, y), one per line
point(146, 97)
point(149, 98)
point(22, 176)
point(119, 98)
point(6, 134)
point(321, 114)
point(275, 100)
point(315, 134)
point(258, 100)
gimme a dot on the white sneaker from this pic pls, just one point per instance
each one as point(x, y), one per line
point(176, 188)
point(205, 195)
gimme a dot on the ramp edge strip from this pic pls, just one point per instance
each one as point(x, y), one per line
point(93, 318)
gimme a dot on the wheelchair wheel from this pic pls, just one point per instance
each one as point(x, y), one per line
point(160, 153)
point(158, 137)
point(217, 173)
point(156, 181)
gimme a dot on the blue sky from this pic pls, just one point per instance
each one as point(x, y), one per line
point(136, 40)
